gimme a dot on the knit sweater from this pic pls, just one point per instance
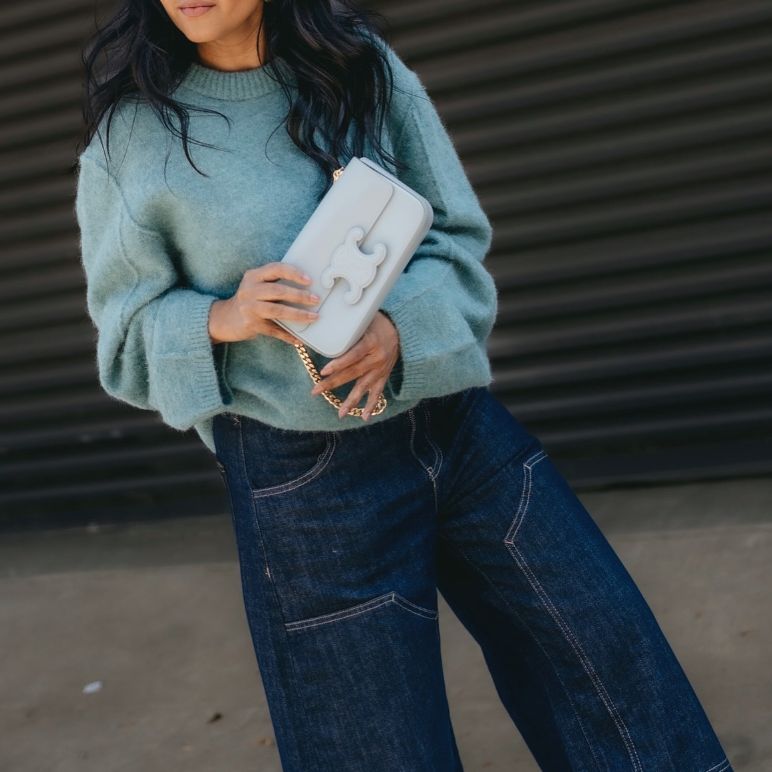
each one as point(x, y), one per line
point(160, 243)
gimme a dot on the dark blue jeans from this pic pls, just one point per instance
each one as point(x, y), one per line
point(344, 538)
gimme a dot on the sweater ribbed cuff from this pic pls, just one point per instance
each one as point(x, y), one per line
point(412, 368)
point(193, 366)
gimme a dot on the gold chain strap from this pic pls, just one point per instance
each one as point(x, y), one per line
point(305, 357)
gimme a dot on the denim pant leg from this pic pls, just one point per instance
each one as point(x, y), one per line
point(336, 536)
point(574, 650)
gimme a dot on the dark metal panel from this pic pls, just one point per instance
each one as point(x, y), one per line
point(622, 152)
point(621, 149)
point(67, 450)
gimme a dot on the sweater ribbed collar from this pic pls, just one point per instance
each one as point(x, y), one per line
point(233, 84)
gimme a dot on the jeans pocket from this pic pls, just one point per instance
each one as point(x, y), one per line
point(391, 597)
point(370, 679)
point(277, 461)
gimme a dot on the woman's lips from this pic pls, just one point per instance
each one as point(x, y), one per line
point(196, 10)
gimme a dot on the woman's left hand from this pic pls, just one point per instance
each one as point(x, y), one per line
point(370, 360)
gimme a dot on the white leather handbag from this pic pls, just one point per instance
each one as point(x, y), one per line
point(357, 241)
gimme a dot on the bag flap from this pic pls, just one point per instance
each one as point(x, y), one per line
point(356, 199)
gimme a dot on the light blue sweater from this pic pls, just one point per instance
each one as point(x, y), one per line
point(160, 243)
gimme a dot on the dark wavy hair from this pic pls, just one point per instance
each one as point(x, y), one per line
point(342, 74)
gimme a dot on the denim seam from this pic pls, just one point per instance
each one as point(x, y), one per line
point(437, 461)
point(437, 451)
point(274, 591)
point(525, 495)
point(324, 458)
point(411, 416)
point(414, 608)
point(568, 634)
point(581, 655)
point(361, 608)
point(533, 635)
point(720, 767)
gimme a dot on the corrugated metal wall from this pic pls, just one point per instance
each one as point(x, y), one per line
point(622, 151)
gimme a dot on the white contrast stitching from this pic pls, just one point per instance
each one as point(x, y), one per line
point(437, 463)
point(559, 621)
point(261, 542)
point(414, 607)
point(411, 415)
point(256, 522)
point(361, 608)
point(720, 767)
point(536, 641)
point(583, 659)
point(324, 459)
point(525, 495)
point(437, 451)
point(436, 499)
point(326, 618)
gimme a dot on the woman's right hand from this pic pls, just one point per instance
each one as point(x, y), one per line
point(253, 307)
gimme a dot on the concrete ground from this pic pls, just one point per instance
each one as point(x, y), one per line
point(152, 611)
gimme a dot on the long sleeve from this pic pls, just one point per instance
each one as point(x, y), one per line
point(444, 303)
point(153, 346)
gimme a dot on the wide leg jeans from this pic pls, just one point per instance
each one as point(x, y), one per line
point(344, 539)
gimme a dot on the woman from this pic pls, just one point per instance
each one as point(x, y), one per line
point(347, 522)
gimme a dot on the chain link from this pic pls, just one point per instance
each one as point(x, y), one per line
point(336, 402)
point(305, 357)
